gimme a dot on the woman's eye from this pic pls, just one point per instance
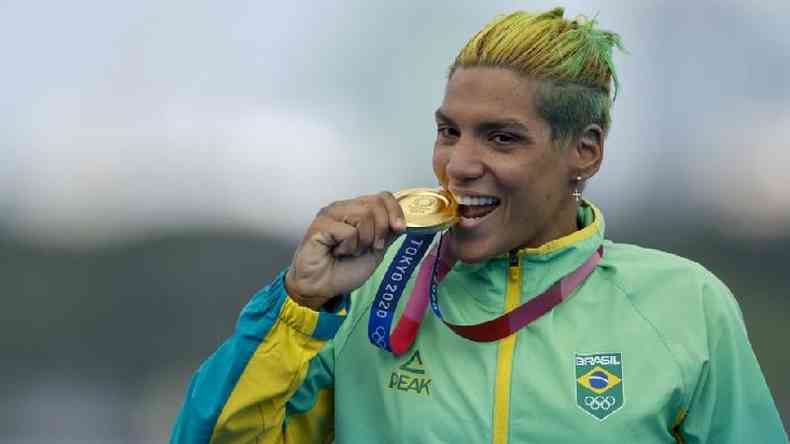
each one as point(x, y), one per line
point(447, 131)
point(504, 138)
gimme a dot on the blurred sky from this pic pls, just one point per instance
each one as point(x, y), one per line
point(122, 118)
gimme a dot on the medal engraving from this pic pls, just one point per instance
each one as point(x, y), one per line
point(422, 205)
point(428, 209)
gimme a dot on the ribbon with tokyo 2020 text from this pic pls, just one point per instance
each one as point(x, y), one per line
point(398, 273)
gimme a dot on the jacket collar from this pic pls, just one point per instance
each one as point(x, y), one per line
point(583, 241)
point(544, 265)
point(591, 230)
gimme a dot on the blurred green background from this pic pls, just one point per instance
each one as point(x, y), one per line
point(159, 162)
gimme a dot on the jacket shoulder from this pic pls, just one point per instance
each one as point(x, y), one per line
point(671, 290)
point(684, 302)
point(644, 272)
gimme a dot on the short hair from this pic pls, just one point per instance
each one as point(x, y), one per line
point(572, 59)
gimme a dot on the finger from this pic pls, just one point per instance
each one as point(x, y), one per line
point(337, 238)
point(336, 211)
point(361, 217)
point(382, 225)
point(360, 214)
point(397, 220)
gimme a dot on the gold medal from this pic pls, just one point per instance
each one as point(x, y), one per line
point(428, 209)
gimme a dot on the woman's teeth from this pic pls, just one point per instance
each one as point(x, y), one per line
point(474, 207)
point(483, 200)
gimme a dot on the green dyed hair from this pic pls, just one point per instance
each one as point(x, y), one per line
point(571, 58)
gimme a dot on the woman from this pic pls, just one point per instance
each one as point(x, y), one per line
point(619, 344)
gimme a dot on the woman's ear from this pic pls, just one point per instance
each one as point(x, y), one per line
point(589, 151)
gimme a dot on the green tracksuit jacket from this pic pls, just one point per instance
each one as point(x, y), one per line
point(650, 348)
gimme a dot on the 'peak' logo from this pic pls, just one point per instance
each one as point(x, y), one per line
point(411, 376)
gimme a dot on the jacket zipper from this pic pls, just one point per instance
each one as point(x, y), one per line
point(513, 270)
point(513, 258)
point(505, 353)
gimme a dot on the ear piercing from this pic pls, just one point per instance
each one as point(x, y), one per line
point(576, 193)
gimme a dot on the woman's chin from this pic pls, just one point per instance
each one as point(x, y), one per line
point(468, 250)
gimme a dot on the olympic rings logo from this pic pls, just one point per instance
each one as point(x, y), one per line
point(379, 336)
point(599, 402)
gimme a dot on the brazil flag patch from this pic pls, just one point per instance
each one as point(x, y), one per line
point(599, 383)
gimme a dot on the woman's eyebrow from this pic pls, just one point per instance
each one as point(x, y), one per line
point(440, 116)
point(489, 124)
point(502, 123)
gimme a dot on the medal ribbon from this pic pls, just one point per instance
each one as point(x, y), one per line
point(521, 316)
point(398, 273)
point(425, 290)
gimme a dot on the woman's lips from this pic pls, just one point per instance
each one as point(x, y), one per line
point(473, 209)
point(473, 216)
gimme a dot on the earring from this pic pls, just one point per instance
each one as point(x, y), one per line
point(576, 193)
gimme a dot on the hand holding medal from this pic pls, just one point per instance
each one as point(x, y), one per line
point(347, 240)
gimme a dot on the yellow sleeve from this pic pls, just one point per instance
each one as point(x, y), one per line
point(271, 382)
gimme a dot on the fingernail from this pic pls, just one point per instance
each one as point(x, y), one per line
point(400, 223)
point(380, 244)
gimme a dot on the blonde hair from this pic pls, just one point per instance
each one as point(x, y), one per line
point(572, 58)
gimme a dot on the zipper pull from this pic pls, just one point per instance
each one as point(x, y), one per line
point(513, 258)
point(513, 270)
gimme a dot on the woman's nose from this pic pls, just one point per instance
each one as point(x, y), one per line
point(465, 163)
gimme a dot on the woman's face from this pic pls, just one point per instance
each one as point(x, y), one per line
point(496, 156)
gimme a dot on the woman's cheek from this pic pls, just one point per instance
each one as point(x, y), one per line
point(440, 166)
